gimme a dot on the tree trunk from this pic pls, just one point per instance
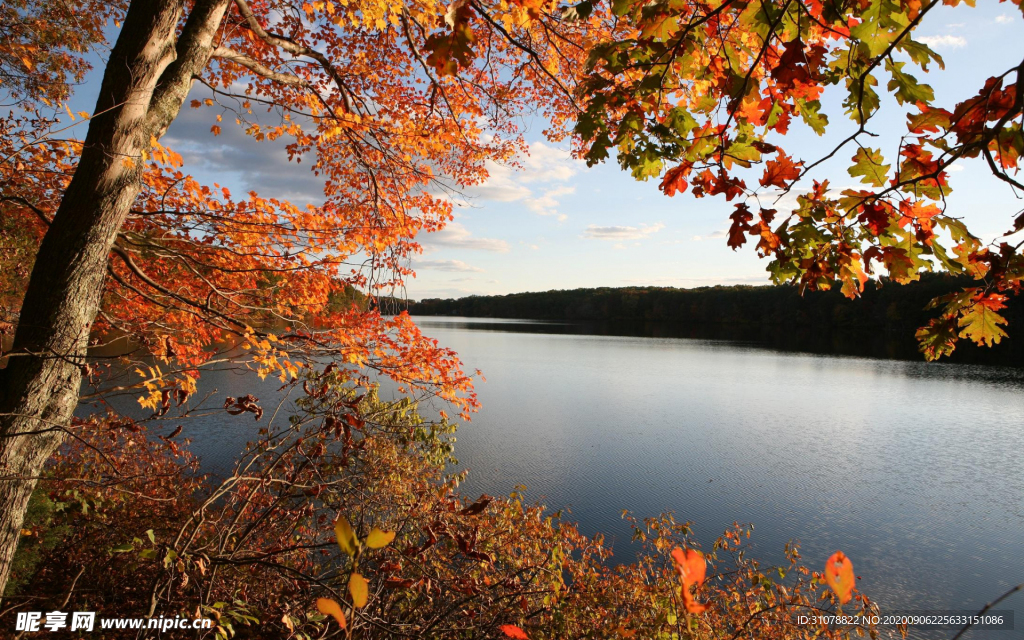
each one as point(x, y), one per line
point(144, 85)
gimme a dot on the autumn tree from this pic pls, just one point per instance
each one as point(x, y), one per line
point(703, 94)
point(394, 104)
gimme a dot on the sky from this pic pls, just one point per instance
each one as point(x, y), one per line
point(557, 224)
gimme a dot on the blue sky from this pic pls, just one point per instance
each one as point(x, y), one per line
point(556, 224)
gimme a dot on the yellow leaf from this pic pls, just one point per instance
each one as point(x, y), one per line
point(347, 540)
point(379, 539)
point(360, 590)
point(329, 607)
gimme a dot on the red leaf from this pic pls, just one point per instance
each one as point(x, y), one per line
point(741, 218)
point(876, 216)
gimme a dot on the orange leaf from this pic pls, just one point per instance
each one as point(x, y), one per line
point(690, 565)
point(329, 607)
point(512, 631)
point(360, 590)
point(692, 569)
point(839, 575)
point(780, 172)
point(675, 180)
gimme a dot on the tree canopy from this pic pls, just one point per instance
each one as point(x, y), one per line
point(703, 95)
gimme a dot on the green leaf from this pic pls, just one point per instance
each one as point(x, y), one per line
point(580, 11)
point(906, 87)
point(810, 112)
point(661, 27)
point(880, 27)
point(123, 548)
point(863, 99)
point(620, 7)
point(869, 165)
point(171, 556)
point(920, 53)
point(151, 536)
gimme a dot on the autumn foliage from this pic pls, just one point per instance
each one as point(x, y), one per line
point(342, 515)
point(703, 95)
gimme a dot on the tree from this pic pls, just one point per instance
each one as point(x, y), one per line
point(703, 94)
point(393, 103)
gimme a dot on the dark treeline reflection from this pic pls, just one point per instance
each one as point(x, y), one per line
point(879, 324)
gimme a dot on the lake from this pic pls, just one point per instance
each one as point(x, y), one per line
point(915, 470)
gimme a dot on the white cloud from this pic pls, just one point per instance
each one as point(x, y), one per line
point(548, 164)
point(683, 282)
point(459, 237)
point(544, 166)
point(445, 265)
point(1004, 19)
point(714, 235)
point(595, 232)
point(785, 202)
point(547, 204)
point(501, 186)
point(944, 42)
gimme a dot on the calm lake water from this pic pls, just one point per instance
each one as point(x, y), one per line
point(914, 470)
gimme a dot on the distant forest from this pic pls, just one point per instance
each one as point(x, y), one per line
point(881, 323)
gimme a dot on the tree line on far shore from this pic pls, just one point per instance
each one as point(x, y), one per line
point(881, 322)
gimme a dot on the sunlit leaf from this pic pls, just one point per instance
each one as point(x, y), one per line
point(378, 539)
point(359, 588)
point(839, 576)
point(329, 607)
point(347, 540)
